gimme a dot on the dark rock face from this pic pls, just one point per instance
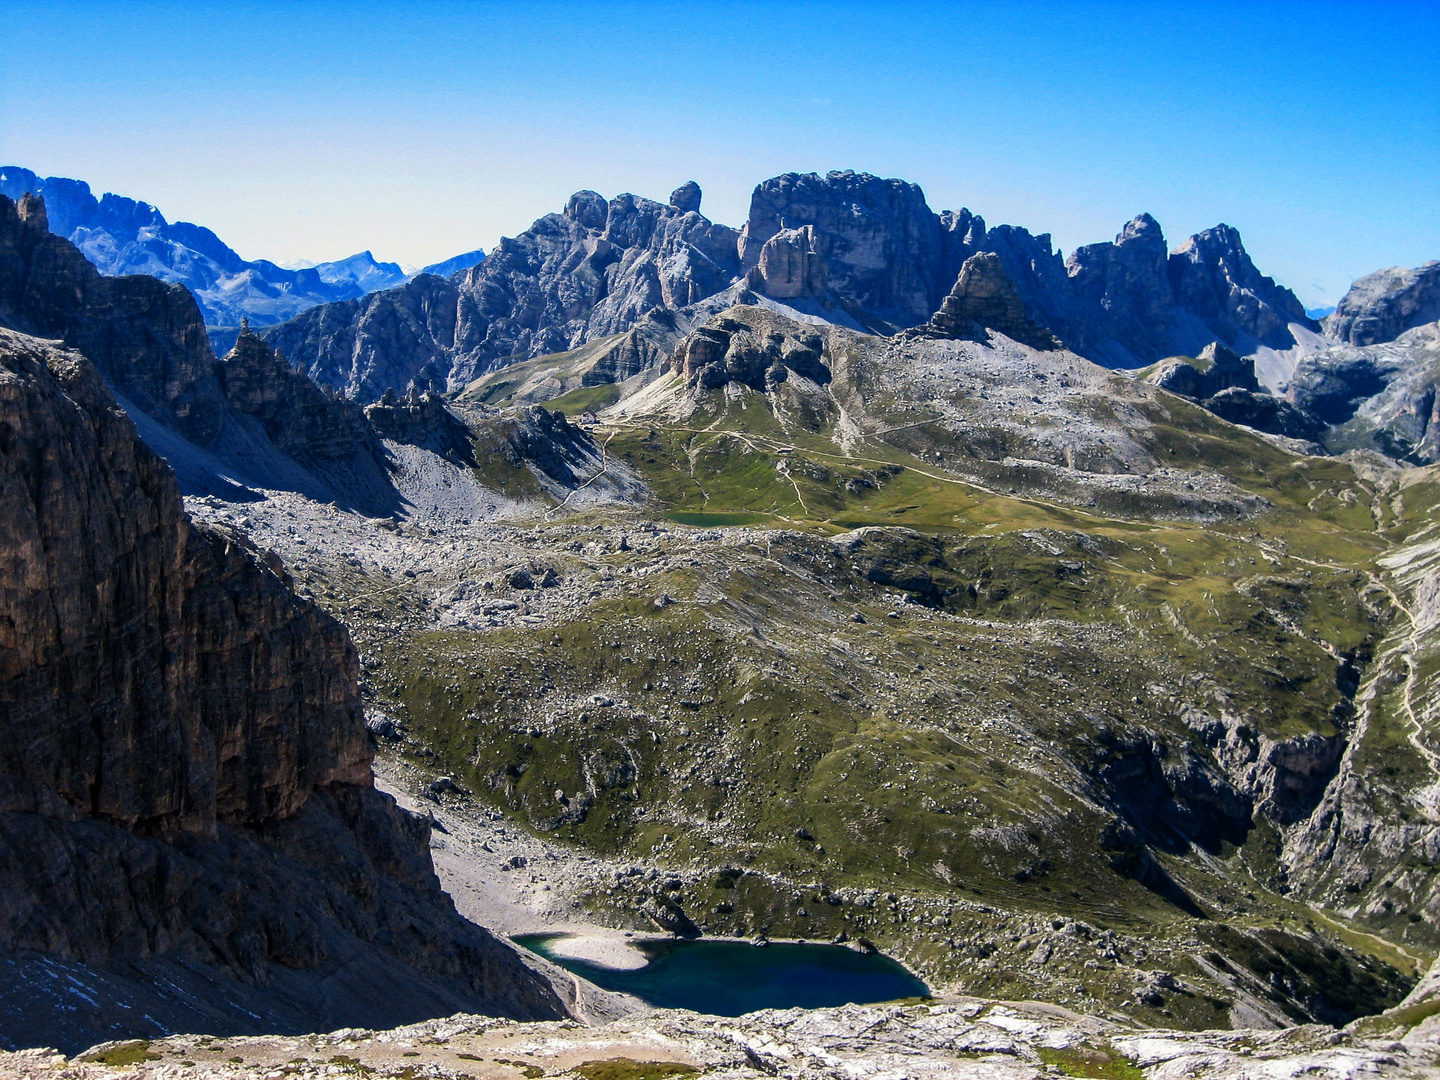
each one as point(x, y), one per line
point(686, 198)
point(422, 420)
point(790, 265)
point(392, 339)
point(306, 422)
point(184, 767)
point(1381, 306)
point(1264, 412)
point(984, 296)
point(1224, 383)
point(122, 236)
point(1122, 289)
point(1215, 369)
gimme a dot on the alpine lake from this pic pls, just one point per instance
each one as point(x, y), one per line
point(731, 978)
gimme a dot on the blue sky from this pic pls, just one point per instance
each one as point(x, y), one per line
point(418, 130)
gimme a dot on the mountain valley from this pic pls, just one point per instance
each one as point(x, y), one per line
point(1063, 629)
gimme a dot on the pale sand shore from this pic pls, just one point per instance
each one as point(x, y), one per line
point(603, 946)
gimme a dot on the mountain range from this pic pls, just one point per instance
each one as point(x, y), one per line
point(863, 574)
point(123, 236)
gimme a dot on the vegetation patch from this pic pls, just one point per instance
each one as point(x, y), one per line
point(623, 1068)
point(1094, 1063)
point(126, 1054)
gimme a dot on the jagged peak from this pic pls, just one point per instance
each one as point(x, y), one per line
point(1141, 227)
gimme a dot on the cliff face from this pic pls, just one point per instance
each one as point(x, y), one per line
point(184, 769)
point(1381, 306)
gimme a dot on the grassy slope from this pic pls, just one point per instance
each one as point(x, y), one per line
point(947, 756)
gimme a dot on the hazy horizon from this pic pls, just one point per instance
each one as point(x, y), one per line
point(317, 131)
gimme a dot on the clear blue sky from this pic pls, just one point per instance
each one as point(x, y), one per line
point(418, 130)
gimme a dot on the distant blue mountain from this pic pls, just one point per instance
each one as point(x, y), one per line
point(1320, 312)
point(122, 236)
point(456, 264)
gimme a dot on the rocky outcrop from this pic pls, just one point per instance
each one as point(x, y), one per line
point(984, 296)
point(882, 246)
point(790, 266)
point(184, 767)
point(686, 198)
point(121, 236)
point(1215, 369)
point(1264, 412)
point(750, 352)
point(1224, 383)
point(422, 420)
point(1381, 306)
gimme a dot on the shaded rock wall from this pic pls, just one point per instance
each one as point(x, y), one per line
point(184, 768)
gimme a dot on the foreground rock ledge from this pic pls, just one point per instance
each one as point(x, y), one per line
point(959, 1037)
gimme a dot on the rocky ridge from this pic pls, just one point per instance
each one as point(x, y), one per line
point(594, 270)
point(846, 248)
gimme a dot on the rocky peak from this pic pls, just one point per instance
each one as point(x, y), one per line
point(31, 209)
point(880, 242)
point(1381, 306)
point(984, 296)
point(1122, 288)
point(686, 198)
point(1212, 277)
point(587, 208)
point(302, 419)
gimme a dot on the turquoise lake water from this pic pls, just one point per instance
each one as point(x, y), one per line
point(728, 978)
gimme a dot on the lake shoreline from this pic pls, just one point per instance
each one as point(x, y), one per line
point(620, 950)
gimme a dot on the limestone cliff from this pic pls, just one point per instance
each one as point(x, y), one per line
point(185, 791)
